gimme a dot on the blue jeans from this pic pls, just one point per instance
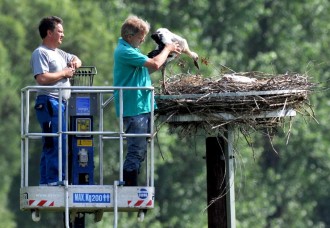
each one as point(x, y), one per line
point(136, 146)
point(47, 114)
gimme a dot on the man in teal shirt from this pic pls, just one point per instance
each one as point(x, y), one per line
point(129, 71)
point(133, 69)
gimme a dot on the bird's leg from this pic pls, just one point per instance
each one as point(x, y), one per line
point(164, 84)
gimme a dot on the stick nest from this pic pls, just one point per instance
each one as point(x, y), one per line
point(245, 96)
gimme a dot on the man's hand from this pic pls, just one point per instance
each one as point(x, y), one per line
point(75, 63)
point(174, 47)
point(69, 72)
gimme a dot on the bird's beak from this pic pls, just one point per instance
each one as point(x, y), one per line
point(196, 64)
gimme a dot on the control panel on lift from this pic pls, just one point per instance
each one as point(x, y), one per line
point(82, 109)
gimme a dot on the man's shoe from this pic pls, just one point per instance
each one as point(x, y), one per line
point(130, 178)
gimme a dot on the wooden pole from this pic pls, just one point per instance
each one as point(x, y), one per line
point(216, 182)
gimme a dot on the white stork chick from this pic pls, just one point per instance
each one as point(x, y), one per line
point(164, 36)
point(239, 79)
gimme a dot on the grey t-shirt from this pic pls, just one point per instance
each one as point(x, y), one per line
point(49, 60)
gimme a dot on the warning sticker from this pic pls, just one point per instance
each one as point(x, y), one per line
point(91, 197)
point(85, 142)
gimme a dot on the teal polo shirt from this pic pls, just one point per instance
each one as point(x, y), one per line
point(129, 71)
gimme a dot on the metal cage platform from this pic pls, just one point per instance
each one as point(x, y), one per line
point(93, 198)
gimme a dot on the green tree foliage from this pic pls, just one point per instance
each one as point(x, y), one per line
point(9, 148)
point(284, 189)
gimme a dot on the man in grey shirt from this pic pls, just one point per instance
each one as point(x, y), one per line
point(52, 67)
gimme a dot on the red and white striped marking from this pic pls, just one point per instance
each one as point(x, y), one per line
point(140, 203)
point(41, 203)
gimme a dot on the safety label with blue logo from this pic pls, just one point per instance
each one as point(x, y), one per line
point(143, 193)
point(91, 197)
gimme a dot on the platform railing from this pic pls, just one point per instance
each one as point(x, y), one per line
point(105, 96)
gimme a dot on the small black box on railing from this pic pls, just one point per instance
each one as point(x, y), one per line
point(83, 76)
